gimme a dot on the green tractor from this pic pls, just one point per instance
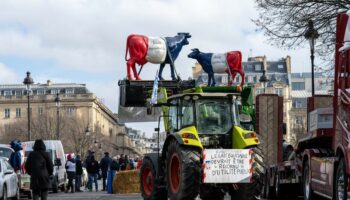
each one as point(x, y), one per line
point(198, 119)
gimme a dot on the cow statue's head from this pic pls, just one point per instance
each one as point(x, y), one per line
point(194, 53)
point(185, 36)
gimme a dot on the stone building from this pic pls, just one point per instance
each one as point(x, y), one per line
point(301, 90)
point(79, 110)
point(278, 73)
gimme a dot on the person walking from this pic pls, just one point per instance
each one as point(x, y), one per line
point(122, 163)
point(39, 166)
point(104, 164)
point(70, 168)
point(16, 158)
point(78, 173)
point(114, 168)
point(92, 168)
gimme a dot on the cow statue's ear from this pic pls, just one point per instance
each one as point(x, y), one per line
point(195, 49)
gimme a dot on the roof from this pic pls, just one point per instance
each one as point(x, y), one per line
point(305, 94)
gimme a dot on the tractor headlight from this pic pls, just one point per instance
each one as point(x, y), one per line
point(250, 135)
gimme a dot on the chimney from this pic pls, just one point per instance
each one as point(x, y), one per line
point(49, 82)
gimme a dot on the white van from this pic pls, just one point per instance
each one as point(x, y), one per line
point(56, 152)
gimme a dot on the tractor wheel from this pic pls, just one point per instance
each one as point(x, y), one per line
point(341, 180)
point(253, 190)
point(208, 192)
point(183, 172)
point(149, 185)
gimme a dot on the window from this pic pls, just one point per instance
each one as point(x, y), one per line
point(247, 79)
point(173, 116)
point(223, 79)
point(70, 110)
point(18, 93)
point(18, 112)
point(299, 120)
point(7, 93)
point(279, 91)
point(259, 91)
point(40, 111)
point(257, 67)
point(186, 113)
point(55, 91)
point(69, 91)
point(237, 79)
point(298, 86)
point(280, 66)
point(40, 92)
point(7, 112)
point(255, 78)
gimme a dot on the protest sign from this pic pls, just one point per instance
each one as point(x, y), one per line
point(227, 165)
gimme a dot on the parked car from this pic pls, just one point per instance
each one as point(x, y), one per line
point(57, 155)
point(5, 151)
point(8, 181)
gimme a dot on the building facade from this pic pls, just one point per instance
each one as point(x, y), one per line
point(301, 90)
point(79, 110)
point(277, 72)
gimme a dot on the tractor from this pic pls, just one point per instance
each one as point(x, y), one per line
point(195, 120)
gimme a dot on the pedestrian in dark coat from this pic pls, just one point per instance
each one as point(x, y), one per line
point(16, 158)
point(104, 164)
point(39, 166)
point(92, 168)
point(79, 173)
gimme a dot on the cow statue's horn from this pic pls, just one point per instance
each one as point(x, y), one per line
point(195, 49)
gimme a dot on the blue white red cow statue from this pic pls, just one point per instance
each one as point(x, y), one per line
point(156, 50)
point(230, 62)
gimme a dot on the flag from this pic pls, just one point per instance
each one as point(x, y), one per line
point(155, 90)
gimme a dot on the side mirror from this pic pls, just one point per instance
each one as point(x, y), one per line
point(9, 171)
point(245, 118)
point(58, 162)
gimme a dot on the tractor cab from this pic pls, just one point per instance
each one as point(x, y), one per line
point(209, 120)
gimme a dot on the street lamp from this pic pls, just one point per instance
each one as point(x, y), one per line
point(311, 34)
point(263, 80)
point(58, 104)
point(28, 81)
point(87, 131)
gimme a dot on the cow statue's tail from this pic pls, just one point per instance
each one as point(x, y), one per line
point(127, 48)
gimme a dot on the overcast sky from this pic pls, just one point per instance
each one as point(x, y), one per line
point(83, 41)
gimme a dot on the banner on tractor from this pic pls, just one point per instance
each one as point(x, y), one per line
point(227, 166)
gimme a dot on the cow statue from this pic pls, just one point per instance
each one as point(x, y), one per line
point(156, 50)
point(230, 62)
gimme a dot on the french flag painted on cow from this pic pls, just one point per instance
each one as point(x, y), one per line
point(230, 62)
point(157, 50)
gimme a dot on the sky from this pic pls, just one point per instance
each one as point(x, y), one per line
point(83, 41)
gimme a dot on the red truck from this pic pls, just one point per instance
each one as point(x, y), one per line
point(319, 165)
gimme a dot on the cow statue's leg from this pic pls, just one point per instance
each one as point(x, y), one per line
point(129, 64)
point(172, 70)
point(135, 72)
point(213, 78)
point(209, 80)
point(161, 67)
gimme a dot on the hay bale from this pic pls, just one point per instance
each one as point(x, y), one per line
point(126, 182)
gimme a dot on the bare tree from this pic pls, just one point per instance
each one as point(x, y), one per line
point(284, 22)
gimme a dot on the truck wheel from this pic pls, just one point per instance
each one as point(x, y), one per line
point(253, 190)
point(308, 193)
point(149, 187)
point(183, 172)
point(208, 192)
point(341, 180)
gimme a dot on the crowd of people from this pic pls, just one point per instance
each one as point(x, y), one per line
point(40, 167)
point(108, 166)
